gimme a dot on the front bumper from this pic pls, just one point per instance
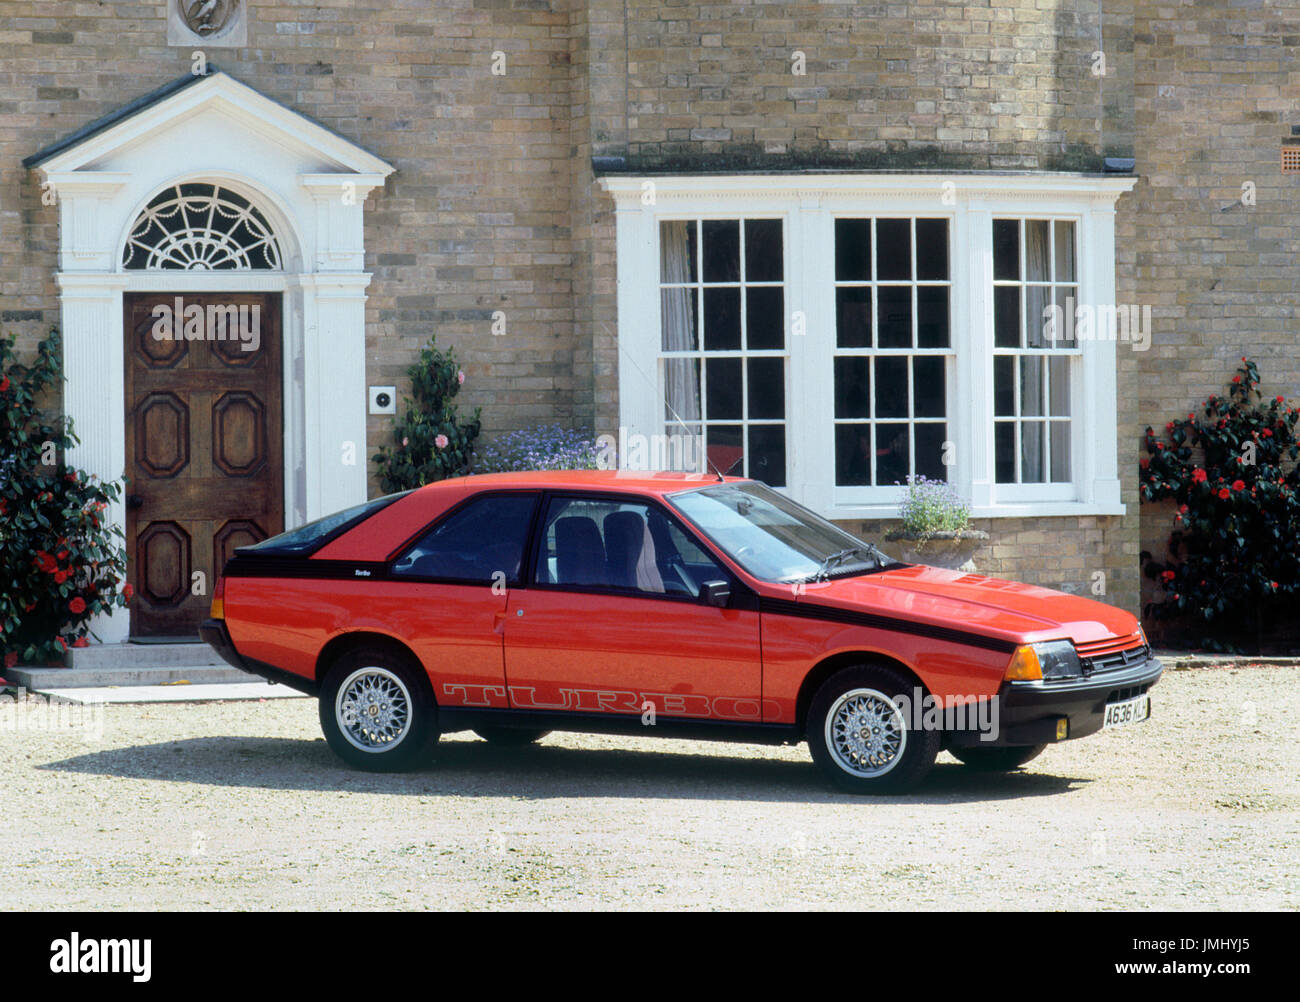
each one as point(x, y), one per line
point(1028, 712)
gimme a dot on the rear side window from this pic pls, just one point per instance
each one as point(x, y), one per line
point(475, 544)
point(312, 536)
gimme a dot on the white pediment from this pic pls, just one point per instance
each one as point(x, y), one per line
point(308, 180)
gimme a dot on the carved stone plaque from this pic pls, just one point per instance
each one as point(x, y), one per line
point(207, 23)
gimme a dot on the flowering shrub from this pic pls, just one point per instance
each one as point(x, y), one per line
point(931, 506)
point(60, 563)
point(548, 447)
point(1233, 564)
point(432, 442)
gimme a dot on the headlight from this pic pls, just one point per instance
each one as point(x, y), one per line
point(1053, 659)
point(1059, 659)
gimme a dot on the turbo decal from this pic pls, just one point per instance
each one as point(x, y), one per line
point(670, 704)
point(473, 695)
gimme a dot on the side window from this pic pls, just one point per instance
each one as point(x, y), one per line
point(597, 543)
point(482, 540)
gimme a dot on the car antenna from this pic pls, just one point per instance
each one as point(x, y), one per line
point(680, 420)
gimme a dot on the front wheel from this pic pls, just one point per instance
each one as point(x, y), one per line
point(858, 731)
point(1002, 759)
point(376, 711)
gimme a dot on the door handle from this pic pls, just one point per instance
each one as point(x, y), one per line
point(134, 501)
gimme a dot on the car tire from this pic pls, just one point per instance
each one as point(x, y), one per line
point(888, 755)
point(377, 710)
point(509, 736)
point(1003, 759)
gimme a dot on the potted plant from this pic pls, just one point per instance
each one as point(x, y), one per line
point(936, 527)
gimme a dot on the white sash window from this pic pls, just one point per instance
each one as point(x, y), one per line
point(833, 335)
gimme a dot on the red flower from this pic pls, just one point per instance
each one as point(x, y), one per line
point(1236, 379)
point(1279, 398)
point(4, 385)
point(62, 643)
point(1239, 485)
point(1167, 575)
point(77, 605)
point(61, 577)
point(81, 642)
point(1224, 494)
point(1169, 426)
point(1183, 510)
point(1144, 463)
point(1273, 585)
point(127, 592)
point(1267, 432)
point(1200, 476)
point(63, 554)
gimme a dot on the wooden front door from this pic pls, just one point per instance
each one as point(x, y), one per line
point(204, 464)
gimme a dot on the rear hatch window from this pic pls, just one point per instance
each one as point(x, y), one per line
point(307, 539)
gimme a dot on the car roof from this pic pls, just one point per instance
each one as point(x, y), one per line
point(640, 482)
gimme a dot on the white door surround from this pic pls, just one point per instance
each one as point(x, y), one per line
point(310, 185)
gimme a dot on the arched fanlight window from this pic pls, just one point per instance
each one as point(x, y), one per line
point(201, 227)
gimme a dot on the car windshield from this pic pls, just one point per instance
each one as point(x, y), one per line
point(773, 538)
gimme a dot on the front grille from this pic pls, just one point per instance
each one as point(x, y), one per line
point(1131, 692)
point(1111, 645)
point(1115, 660)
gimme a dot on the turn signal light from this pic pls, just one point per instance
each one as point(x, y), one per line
point(1024, 666)
point(218, 609)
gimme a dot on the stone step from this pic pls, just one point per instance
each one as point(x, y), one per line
point(80, 678)
point(105, 656)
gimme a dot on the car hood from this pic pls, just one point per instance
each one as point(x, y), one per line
point(1005, 609)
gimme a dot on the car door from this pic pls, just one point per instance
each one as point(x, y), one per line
point(456, 580)
point(612, 622)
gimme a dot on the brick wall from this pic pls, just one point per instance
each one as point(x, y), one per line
point(477, 217)
point(494, 206)
point(1215, 101)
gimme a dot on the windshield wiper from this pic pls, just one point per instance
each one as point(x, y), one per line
point(835, 558)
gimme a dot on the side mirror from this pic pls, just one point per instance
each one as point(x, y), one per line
point(716, 593)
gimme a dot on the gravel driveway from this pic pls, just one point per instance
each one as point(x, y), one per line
point(242, 806)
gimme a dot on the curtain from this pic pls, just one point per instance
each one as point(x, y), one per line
point(1038, 268)
point(681, 375)
point(1038, 264)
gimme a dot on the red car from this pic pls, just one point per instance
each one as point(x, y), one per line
point(672, 604)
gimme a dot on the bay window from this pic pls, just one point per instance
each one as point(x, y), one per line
point(834, 335)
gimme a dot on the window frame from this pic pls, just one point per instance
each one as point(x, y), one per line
point(534, 556)
point(743, 354)
point(875, 493)
point(809, 204)
point(521, 578)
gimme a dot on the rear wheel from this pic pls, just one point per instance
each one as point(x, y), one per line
point(377, 712)
point(510, 735)
point(859, 734)
point(997, 759)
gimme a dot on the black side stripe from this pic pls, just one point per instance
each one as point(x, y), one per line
point(244, 566)
point(808, 610)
